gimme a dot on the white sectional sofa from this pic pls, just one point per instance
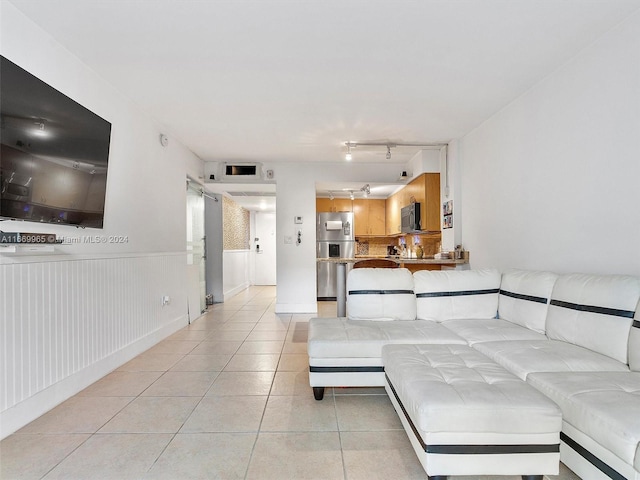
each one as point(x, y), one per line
point(439, 335)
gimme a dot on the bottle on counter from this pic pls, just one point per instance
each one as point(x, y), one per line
point(419, 251)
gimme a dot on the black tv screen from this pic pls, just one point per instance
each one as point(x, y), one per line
point(55, 153)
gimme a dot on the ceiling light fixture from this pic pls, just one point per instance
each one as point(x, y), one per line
point(348, 156)
point(366, 190)
point(351, 194)
point(388, 152)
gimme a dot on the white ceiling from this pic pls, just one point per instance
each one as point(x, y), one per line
point(284, 80)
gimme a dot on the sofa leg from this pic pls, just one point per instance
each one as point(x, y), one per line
point(318, 393)
point(531, 477)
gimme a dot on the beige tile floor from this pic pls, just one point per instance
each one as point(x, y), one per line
point(224, 398)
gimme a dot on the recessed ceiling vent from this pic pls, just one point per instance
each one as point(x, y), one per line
point(241, 171)
point(244, 170)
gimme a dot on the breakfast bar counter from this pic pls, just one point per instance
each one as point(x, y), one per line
point(412, 264)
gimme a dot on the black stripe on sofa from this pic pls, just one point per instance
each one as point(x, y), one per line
point(459, 293)
point(591, 458)
point(521, 296)
point(380, 292)
point(593, 309)
point(375, 369)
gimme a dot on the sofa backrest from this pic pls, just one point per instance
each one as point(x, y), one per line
point(380, 294)
point(634, 342)
point(455, 294)
point(524, 298)
point(594, 311)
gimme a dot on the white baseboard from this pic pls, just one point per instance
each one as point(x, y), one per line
point(234, 291)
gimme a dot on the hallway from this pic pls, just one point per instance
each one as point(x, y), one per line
point(226, 397)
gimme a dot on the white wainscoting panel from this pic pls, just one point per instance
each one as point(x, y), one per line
point(61, 317)
point(235, 272)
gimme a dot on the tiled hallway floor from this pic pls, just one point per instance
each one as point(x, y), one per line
point(227, 397)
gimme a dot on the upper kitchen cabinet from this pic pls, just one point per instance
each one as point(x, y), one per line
point(333, 205)
point(392, 215)
point(430, 208)
point(369, 217)
point(424, 190)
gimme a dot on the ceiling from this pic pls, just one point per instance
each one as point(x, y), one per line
point(284, 80)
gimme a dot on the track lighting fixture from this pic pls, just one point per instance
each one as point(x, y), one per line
point(349, 156)
point(366, 190)
point(351, 194)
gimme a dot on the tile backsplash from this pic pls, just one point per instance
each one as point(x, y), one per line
point(377, 246)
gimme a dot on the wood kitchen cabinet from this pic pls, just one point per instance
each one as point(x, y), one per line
point(369, 217)
point(430, 203)
point(424, 190)
point(335, 205)
point(392, 214)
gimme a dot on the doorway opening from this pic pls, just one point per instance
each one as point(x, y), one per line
point(247, 246)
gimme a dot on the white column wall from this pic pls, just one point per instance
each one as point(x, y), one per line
point(296, 196)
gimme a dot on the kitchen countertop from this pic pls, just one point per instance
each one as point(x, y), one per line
point(400, 260)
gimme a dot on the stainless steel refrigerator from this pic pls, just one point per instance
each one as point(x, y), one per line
point(335, 239)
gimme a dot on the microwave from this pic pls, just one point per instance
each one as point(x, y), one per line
point(410, 218)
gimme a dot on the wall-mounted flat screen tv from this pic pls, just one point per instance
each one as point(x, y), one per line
point(55, 153)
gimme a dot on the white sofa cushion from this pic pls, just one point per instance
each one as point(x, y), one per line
point(634, 343)
point(380, 294)
point(594, 311)
point(605, 406)
point(453, 294)
point(523, 357)
point(490, 329)
point(524, 297)
point(343, 338)
point(453, 388)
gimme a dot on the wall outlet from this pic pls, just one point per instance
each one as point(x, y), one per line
point(166, 300)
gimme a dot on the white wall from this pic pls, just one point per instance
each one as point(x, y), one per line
point(450, 190)
point(98, 304)
point(553, 180)
point(296, 196)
